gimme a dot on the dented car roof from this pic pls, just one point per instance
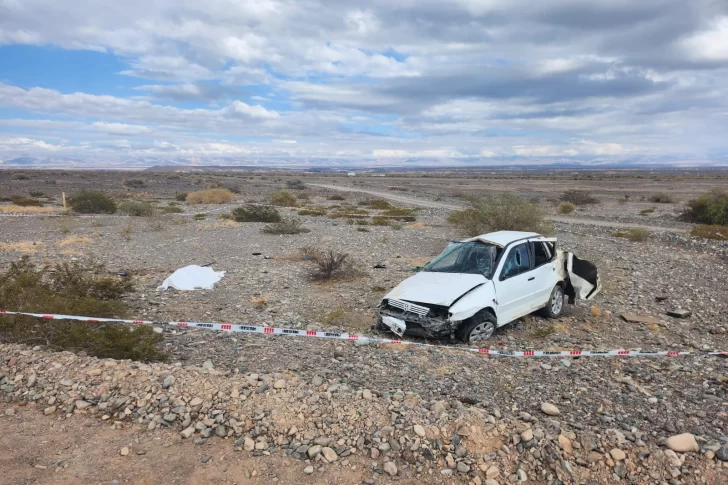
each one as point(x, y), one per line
point(502, 238)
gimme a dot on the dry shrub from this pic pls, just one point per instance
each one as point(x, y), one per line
point(503, 213)
point(286, 226)
point(566, 208)
point(295, 184)
point(72, 289)
point(180, 197)
point(92, 202)
point(661, 198)
point(23, 201)
point(312, 212)
point(22, 247)
point(709, 209)
point(283, 198)
point(210, 196)
point(136, 183)
point(136, 208)
point(578, 197)
point(337, 197)
point(649, 210)
point(379, 204)
point(381, 221)
point(719, 233)
point(127, 231)
point(256, 213)
point(330, 265)
point(636, 234)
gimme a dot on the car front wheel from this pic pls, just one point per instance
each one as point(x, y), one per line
point(478, 329)
point(555, 305)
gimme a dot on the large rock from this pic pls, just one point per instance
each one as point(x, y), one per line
point(682, 443)
point(722, 453)
point(329, 454)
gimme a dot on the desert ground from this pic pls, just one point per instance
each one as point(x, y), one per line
point(259, 406)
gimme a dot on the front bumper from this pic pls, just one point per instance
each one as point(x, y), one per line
point(434, 324)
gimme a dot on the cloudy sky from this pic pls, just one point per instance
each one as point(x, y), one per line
point(386, 80)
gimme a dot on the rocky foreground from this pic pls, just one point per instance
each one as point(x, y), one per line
point(327, 424)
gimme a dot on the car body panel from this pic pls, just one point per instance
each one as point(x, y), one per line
point(435, 288)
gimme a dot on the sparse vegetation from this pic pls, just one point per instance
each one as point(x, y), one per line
point(210, 196)
point(379, 204)
point(636, 234)
point(661, 198)
point(127, 231)
point(92, 202)
point(649, 210)
point(337, 197)
point(719, 233)
point(312, 212)
point(283, 198)
point(73, 289)
point(286, 226)
point(506, 212)
point(180, 197)
point(709, 209)
point(36, 193)
point(400, 214)
point(381, 221)
point(171, 209)
point(134, 183)
point(256, 213)
point(578, 197)
point(21, 176)
point(23, 201)
point(566, 208)
point(136, 208)
point(199, 217)
point(330, 264)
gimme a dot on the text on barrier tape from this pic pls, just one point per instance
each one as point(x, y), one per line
point(230, 327)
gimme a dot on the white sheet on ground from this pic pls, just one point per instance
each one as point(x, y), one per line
point(192, 277)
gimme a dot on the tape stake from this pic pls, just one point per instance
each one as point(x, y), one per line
point(228, 327)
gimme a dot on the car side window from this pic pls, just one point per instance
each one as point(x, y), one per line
point(542, 253)
point(518, 261)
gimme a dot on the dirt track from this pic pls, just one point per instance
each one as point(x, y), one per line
point(443, 205)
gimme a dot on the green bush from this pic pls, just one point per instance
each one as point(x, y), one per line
point(286, 226)
point(381, 221)
point(199, 217)
point(25, 201)
point(295, 184)
point(709, 209)
point(92, 202)
point(633, 234)
point(172, 209)
point(283, 198)
point(136, 208)
point(506, 212)
point(180, 197)
point(566, 208)
point(36, 193)
point(379, 204)
point(337, 197)
point(578, 197)
point(136, 183)
point(73, 289)
point(312, 212)
point(661, 198)
point(256, 213)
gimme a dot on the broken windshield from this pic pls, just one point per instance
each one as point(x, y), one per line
point(472, 257)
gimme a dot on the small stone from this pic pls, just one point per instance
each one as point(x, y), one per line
point(280, 384)
point(124, 451)
point(366, 394)
point(66, 382)
point(390, 468)
point(199, 441)
point(49, 410)
point(31, 380)
point(10, 412)
point(463, 467)
point(207, 365)
point(329, 454)
point(491, 482)
point(308, 470)
point(313, 451)
point(317, 381)
point(248, 444)
point(672, 458)
point(205, 459)
point(550, 409)
point(566, 444)
point(439, 407)
point(722, 453)
point(617, 454)
point(419, 430)
point(168, 382)
point(522, 475)
point(196, 401)
point(186, 433)
point(527, 435)
point(80, 404)
point(221, 431)
point(682, 443)
point(492, 472)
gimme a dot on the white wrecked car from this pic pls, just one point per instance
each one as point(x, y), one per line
point(485, 282)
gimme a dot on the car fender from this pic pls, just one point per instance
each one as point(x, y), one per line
point(469, 304)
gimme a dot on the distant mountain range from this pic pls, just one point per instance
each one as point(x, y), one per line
point(324, 164)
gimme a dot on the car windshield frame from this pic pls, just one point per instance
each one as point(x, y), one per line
point(466, 257)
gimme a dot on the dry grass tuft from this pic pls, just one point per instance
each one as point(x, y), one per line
point(259, 302)
point(719, 233)
point(72, 241)
point(596, 311)
point(17, 209)
point(636, 234)
point(23, 246)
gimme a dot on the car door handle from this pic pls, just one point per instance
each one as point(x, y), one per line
point(531, 278)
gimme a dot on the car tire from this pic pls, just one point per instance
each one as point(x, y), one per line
point(477, 328)
point(555, 306)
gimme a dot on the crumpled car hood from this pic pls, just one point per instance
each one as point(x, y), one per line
point(435, 288)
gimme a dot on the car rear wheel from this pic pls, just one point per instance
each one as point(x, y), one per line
point(555, 305)
point(478, 329)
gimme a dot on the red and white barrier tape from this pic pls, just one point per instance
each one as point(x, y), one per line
point(230, 327)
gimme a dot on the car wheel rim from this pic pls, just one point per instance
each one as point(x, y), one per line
point(557, 302)
point(482, 331)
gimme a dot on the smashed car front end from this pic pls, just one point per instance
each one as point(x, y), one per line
point(418, 319)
